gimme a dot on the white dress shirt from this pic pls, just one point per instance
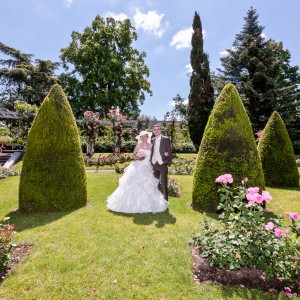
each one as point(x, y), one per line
point(156, 157)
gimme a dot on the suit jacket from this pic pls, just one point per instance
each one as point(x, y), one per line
point(165, 146)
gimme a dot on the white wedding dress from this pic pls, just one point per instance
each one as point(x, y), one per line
point(138, 190)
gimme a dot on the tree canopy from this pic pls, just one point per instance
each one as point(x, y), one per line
point(25, 79)
point(104, 70)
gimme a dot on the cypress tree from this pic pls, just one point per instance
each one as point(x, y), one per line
point(201, 93)
point(53, 175)
point(277, 156)
point(227, 146)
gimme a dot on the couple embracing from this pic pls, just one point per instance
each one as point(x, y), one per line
point(138, 188)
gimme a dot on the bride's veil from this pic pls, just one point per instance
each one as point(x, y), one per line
point(143, 133)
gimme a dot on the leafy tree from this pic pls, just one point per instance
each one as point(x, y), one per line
point(53, 175)
point(24, 79)
point(104, 70)
point(180, 110)
point(261, 71)
point(26, 114)
point(227, 146)
point(201, 98)
point(277, 156)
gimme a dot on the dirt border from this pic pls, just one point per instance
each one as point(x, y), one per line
point(19, 251)
point(245, 277)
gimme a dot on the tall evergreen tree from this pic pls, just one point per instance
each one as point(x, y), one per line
point(201, 98)
point(252, 66)
point(261, 71)
point(25, 79)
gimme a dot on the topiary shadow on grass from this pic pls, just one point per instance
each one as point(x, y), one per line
point(24, 221)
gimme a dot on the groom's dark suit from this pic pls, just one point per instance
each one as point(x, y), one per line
point(160, 171)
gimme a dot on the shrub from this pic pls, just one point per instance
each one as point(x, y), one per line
point(277, 156)
point(184, 148)
point(6, 232)
point(242, 237)
point(128, 146)
point(227, 146)
point(53, 175)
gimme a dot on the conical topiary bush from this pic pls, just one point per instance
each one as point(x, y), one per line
point(53, 175)
point(277, 155)
point(227, 146)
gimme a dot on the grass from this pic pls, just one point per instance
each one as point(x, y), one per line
point(92, 253)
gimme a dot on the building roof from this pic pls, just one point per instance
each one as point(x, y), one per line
point(7, 114)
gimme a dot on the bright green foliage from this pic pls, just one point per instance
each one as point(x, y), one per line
point(227, 146)
point(277, 156)
point(53, 174)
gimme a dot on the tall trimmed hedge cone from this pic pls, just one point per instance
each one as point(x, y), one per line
point(227, 146)
point(277, 155)
point(53, 175)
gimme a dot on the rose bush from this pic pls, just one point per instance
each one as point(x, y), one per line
point(242, 237)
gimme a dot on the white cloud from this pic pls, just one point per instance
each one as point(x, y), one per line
point(225, 52)
point(182, 39)
point(151, 22)
point(189, 68)
point(68, 3)
point(119, 17)
point(263, 35)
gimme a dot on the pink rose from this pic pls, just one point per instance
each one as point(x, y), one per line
point(266, 196)
point(251, 197)
point(294, 216)
point(278, 232)
point(226, 178)
point(258, 198)
point(269, 226)
point(253, 190)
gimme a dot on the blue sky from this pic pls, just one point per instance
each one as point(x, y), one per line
point(43, 27)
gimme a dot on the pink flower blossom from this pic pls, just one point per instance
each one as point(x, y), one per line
point(226, 178)
point(289, 293)
point(294, 216)
point(251, 197)
point(246, 179)
point(287, 232)
point(269, 226)
point(266, 196)
point(253, 190)
point(258, 198)
point(278, 232)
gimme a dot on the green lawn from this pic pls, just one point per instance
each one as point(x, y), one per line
point(92, 253)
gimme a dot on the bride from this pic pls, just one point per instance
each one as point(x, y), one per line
point(138, 188)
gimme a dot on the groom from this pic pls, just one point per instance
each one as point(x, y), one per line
point(161, 158)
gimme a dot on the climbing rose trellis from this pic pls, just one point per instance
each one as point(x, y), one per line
point(91, 126)
point(117, 126)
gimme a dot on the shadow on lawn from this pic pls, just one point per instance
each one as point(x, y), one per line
point(160, 219)
point(24, 221)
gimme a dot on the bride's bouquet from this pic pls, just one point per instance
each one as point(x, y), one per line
point(140, 155)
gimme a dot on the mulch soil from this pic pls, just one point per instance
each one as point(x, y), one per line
point(245, 277)
point(18, 252)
